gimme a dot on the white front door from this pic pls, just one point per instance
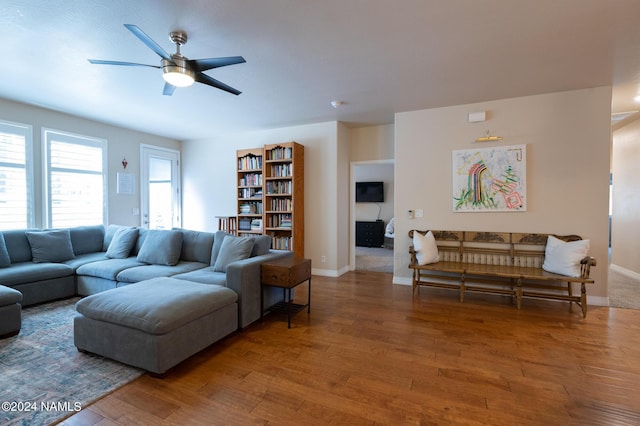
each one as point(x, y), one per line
point(160, 187)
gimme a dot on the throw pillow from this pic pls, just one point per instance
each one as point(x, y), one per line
point(426, 248)
point(161, 248)
point(122, 242)
point(561, 257)
point(109, 232)
point(261, 245)
point(232, 250)
point(5, 259)
point(218, 238)
point(50, 246)
point(196, 245)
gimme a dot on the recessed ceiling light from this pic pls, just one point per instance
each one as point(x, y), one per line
point(336, 104)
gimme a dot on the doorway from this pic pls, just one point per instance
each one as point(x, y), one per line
point(160, 187)
point(379, 258)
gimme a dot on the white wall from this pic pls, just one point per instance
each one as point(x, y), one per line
point(121, 143)
point(343, 201)
point(625, 233)
point(371, 143)
point(209, 185)
point(568, 138)
point(383, 172)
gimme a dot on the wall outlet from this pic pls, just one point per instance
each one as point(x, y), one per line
point(324, 259)
point(419, 213)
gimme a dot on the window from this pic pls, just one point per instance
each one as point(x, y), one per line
point(75, 179)
point(16, 176)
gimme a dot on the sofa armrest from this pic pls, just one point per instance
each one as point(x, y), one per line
point(243, 277)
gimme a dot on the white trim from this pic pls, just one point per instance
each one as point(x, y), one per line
point(624, 271)
point(597, 301)
point(144, 179)
point(79, 139)
point(330, 272)
point(402, 280)
point(352, 204)
point(28, 167)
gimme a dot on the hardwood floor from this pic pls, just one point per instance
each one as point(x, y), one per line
point(370, 354)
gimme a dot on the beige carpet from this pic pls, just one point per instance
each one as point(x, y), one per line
point(375, 259)
point(624, 290)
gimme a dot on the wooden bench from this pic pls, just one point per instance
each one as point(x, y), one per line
point(499, 262)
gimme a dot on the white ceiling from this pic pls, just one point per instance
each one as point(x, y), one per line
point(378, 56)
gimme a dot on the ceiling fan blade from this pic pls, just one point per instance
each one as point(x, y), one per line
point(148, 41)
point(210, 63)
point(126, 64)
point(209, 81)
point(168, 89)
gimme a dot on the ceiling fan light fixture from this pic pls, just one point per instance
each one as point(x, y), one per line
point(176, 73)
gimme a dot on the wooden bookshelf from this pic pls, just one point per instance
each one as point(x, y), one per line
point(250, 211)
point(284, 196)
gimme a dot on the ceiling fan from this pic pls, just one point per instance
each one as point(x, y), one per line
point(178, 70)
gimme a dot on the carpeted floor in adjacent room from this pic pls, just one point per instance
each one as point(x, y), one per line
point(375, 259)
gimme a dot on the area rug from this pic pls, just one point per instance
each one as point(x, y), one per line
point(43, 376)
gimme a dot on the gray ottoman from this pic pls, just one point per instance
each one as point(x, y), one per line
point(155, 324)
point(10, 312)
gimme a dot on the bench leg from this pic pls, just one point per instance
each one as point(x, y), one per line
point(583, 300)
point(519, 294)
point(462, 288)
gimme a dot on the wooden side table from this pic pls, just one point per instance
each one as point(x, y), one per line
point(286, 273)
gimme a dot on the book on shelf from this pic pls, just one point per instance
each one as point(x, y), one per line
point(282, 170)
point(280, 153)
point(250, 162)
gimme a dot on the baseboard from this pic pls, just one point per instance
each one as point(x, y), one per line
point(597, 301)
point(330, 272)
point(402, 280)
point(624, 271)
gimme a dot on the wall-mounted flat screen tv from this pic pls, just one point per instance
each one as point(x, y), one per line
point(369, 192)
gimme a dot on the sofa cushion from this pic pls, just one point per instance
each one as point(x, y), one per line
point(123, 240)
point(87, 239)
point(109, 268)
point(50, 246)
point(217, 243)
point(28, 272)
point(261, 245)
point(82, 259)
point(232, 250)
point(5, 260)
point(156, 306)
point(145, 272)
point(9, 296)
point(109, 232)
point(205, 276)
point(142, 235)
point(18, 245)
point(196, 246)
point(161, 247)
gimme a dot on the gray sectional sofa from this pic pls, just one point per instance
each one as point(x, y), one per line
point(47, 265)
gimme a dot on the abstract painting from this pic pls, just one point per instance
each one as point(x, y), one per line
point(490, 179)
